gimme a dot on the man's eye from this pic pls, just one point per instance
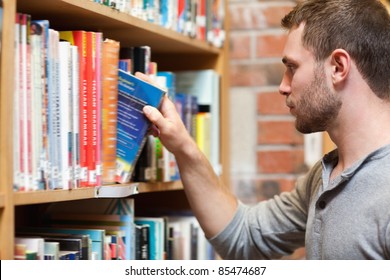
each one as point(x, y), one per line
point(291, 68)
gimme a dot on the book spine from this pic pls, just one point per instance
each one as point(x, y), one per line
point(98, 147)
point(23, 102)
point(91, 108)
point(75, 112)
point(54, 111)
point(78, 38)
point(64, 112)
point(109, 109)
point(16, 128)
point(42, 27)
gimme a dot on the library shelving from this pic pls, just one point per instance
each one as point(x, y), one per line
point(171, 50)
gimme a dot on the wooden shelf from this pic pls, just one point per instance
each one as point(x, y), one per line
point(2, 200)
point(36, 197)
point(129, 30)
point(171, 50)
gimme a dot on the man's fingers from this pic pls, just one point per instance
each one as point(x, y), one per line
point(153, 115)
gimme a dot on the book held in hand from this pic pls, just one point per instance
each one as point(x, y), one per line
point(133, 95)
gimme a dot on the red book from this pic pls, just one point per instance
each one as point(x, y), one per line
point(91, 108)
point(79, 39)
point(98, 147)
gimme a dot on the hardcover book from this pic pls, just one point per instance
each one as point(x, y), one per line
point(133, 95)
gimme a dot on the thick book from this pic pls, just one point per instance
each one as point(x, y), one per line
point(133, 126)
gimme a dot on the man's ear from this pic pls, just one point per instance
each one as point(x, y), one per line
point(341, 64)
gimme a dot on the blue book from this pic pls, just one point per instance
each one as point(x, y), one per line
point(132, 127)
point(156, 236)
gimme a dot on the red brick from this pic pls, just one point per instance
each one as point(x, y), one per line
point(270, 45)
point(272, 103)
point(240, 47)
point(265, 74)
point(290, 161)
point(278, 132)
point(244, 15)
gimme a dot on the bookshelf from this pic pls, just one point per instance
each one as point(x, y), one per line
point(172, 51)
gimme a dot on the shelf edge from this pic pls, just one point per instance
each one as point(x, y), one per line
point(2, 200)
point(37, 197)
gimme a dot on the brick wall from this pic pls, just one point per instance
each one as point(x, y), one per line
point(267, 153)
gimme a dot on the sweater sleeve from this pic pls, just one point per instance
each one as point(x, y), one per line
point(268, 230)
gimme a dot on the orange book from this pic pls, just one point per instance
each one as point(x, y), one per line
point(110, 62)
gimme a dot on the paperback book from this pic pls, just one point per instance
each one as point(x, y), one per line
point(132, 130)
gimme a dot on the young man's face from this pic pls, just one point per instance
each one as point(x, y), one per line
point(305, 86)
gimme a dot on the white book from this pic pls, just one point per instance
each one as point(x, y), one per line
point(55, 177)
point(24, 99)
point(51, 250)
point(75, 117)
point(37, 93)
point(16, 125)
point(65, 94)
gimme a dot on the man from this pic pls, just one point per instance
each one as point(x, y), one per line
point(337, 79)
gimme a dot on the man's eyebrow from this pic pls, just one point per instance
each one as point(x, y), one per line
point(287, 60)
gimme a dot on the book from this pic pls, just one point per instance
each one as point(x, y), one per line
point(67, 242)
point(79, 38)
point(91, 82)
point(203, 130)
point(75, 119)
point(156, 236)
point(142, 242)
point(17, 171)
point(64, 122)
point(36, 102)
point(54, 111)
point(132, 129)
point(205, 85)
point(98, 107)
point(110, 60)
point(40, 34)
point(52, 250)
point(96, 236)
point(107, 222)
point(24, 245)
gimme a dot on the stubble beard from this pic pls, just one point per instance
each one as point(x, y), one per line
point(318, 106)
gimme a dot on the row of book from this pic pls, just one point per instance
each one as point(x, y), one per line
point(73, 120)
point(112, 232)
point(200, 19)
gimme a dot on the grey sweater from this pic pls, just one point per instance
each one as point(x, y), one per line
point(347, 218)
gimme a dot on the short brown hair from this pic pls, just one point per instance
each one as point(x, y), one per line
point(361, 27)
